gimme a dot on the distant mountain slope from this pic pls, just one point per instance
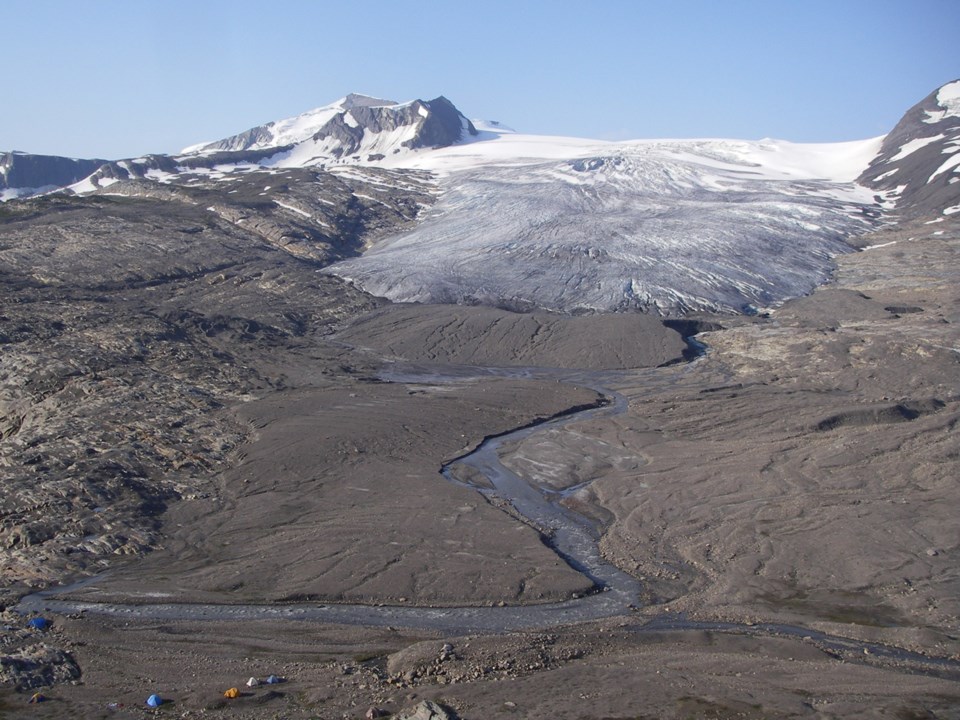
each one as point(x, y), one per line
point(919, 160)
point(355, 129)
point(23, 174)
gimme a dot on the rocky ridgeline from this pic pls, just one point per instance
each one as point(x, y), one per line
point(350, 125)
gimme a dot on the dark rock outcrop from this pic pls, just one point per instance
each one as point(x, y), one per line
point(438, 123)
point(916, 157)
point(31, 173)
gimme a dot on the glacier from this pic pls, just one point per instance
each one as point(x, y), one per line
point(668, 227)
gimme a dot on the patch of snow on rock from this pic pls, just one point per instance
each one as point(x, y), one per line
point(949, 99)
point(952, 162)
point(913, 146)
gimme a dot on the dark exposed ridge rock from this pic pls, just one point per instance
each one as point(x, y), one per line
point(242, 141)
point(354, 100)
point(34, 172)
point(438, 122)
point(926, 190)
point(444, 125)
point(349, 137)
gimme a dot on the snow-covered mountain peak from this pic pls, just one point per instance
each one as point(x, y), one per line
point(572, 224)
point(356, 125)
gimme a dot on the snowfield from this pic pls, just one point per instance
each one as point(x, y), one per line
point(664, 226)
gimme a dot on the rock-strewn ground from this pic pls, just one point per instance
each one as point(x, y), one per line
point(205, 422)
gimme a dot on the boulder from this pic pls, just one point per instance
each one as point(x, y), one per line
point(428, 710)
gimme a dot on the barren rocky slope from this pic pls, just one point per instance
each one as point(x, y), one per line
point(800, 472)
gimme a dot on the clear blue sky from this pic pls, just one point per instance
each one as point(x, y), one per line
point(118, 78)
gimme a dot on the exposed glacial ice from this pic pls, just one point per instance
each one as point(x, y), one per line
point(667, 226)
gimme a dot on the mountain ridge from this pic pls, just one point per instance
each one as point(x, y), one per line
point(911, 163)
point(564, 224)
point(345, 124)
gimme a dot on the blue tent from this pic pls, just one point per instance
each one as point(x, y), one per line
point(39, 623)
point(154, 701)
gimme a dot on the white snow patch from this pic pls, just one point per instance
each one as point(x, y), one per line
point(949, 99)
point(931, 222)
point(913, 146)
point(84, 186)
point(372, 199)
point(949, 211)
point(886, 175)
point(294, 209)
point(952, 162)
point(840, 162)
point(880, 245)
point(197, 147)
point(161, 176)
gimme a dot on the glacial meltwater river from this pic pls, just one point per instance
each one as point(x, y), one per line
point(574, 537)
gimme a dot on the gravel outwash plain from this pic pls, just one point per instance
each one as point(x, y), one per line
point(214, 428)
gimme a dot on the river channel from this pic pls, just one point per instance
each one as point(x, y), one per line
point(572, 536)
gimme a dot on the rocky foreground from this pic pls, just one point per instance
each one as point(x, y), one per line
point(188, 404)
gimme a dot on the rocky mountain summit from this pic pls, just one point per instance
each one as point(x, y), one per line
point(354, 125)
